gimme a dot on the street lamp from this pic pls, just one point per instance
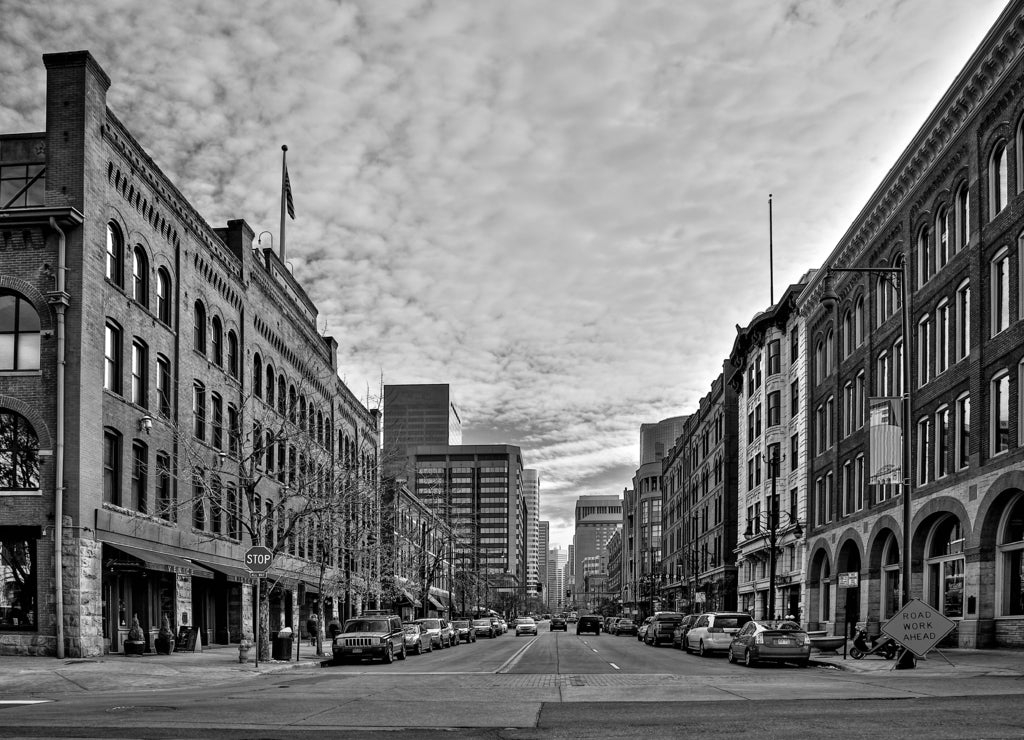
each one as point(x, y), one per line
point(774, 528)
point(897, 277)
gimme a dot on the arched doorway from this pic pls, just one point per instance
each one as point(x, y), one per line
point(944, 566)
point(819, 591)
point(848, 597)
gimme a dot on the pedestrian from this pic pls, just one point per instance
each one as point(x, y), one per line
point(312, 627)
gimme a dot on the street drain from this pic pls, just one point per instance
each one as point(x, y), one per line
point(142, 708)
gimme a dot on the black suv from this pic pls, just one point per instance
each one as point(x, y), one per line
point(589, 623)
point(371, 636)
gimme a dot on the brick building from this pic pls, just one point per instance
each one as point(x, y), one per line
point(165, 401)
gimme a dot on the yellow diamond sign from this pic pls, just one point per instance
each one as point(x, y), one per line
point(918, 627)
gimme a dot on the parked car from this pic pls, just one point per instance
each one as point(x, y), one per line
point(659, 631)
point(439, 630)
point(416, 640)
point(504, 625)
point(526, 626)
point(588, 623)
point(573, 616)
point(464, 630)
point(641, 631)
point(679, 633)
point(625, 626)
point(609, 624)
point(484, 628)
point(770, 640)
point(370, 636)
point(558, 623)
point(497, 626)
point(713, 632)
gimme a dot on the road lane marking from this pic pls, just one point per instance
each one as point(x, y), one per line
point(615, 666)
point(25, 701)
point(511, 662)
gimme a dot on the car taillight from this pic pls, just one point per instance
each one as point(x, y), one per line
point(805, 639)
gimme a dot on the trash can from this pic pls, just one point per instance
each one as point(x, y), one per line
point(281, 649)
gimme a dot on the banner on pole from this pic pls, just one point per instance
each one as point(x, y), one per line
point(885, 444)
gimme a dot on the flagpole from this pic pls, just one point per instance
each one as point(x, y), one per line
point(284, 197)
point(771, 256)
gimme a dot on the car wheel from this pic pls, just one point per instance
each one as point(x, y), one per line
point(701, 651)
point(389, 654)
point(731, 656)
point(401, 655)
point(430, 646)
point(748, 659)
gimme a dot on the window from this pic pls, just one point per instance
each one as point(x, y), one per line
point(963, 215)
point(774, 357)
point(198, 503)
point(860, 401)
point(140, 276)
point(924, 449)
point(942, 235)
point(830, 352)
point(819, 361)
point(270, 385)
point(849, 406)
point(926, 259)
point(115, 255)
point(999, 282)
point(140, 482)
point(233, 368)
point(963, 431)
point(924, 349)
point(217, 342)
point(883, 375)
point(217, 427)
point(819, 430)
point(19, 454)
point(794, 398)
point(999, 413)
point(897, 368)
point(19, 333)
point(282, 398)
point(22, 185)
point(164, 500)
point(997, 180)
point(216, 505)
point(945, 567)
point(830, 417)
point(941, 337)
point(140, 374)
point(858, 321)
point(1010, 562)
point(112, 467)
point(774, 408)
point(885, 299)
point(163, 296)
point(112, 358)
point(233, 512)
point(18, 597)
point(963, 320)
point(199, 410)
point(794, 345)
point(233, 431)
point(163, 386)
point(846, 340)
point(257, 376)
point(942, 439)
point(794, 451)
point(199, 328)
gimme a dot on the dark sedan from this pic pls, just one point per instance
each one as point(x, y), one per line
point(625, 627)
point(770, 640)
point(558, 623)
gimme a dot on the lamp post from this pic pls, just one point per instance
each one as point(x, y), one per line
point(897, 276)
point(773, 523)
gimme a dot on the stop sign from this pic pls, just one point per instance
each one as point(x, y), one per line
point(258, 558)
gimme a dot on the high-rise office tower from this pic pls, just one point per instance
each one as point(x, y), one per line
point(417, 414)
point(543, 542)
point(531, 495)
point(597, 518)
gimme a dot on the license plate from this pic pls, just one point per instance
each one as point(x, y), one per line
point(357, 650)
point(784, 641)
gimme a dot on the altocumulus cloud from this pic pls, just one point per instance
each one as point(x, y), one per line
point(558, 208)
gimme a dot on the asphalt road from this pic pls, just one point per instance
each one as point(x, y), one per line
point(553, 686)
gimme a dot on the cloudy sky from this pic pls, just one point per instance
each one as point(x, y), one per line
point(559, 207)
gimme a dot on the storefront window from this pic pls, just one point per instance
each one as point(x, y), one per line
point(946, 567)
point(17, 579)
point(1011, 559)
point(890, 577)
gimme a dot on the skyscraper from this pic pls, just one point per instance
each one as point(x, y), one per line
point(597, 518)
point(531, 495)
point(419, 414)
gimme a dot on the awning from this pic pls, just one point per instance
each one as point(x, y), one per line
point(158, 561)
point(232, 572)
point(435, 603)
point(410, 598)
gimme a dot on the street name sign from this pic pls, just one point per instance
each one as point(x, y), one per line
point(257, 559)
point(849, 580)
point(918, 627)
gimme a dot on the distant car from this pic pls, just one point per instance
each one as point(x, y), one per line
point(526, 626)
point(609, 624)
point(484, 628)
point(625, 626)
point(770, 640)
point(589, 623)
point(497, 623)
point(416, 640)
point(504, 625)
point(463, 630)
point(659, 632)
point(558, 623)
point(573, 616)
point(679, 633)
point(713, 632)
point(641, 631)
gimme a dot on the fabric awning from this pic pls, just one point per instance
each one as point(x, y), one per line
point(435, 603)
point(160, 561)
point(233, 573)
point(410, 598)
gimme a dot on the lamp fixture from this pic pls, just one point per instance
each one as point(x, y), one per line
point(146, 423)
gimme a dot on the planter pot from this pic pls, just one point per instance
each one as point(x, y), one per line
point(828, 645)
point(134, 647)
point(164, 645)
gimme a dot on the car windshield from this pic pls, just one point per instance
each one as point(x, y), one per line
point(525, 620)
point(482, 622)
point(460, 624)
point(431, 624)
point(782, 626)
point(411, 630)
point(366, 625)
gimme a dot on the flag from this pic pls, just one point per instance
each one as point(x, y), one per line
point(288, 194)
point(885, 443)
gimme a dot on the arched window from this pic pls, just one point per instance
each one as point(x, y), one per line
point(997, 179)
point(115, 255)
point(830, 352)
point(1010, 578)
point(233, 368)
point(163, 296)
point(257, 376)
point(292, 404)
point(199, 328)
point(858, 321)
point(819, 361)
point(925, 256)
point(942, 235)
point(217, 343)
point(140, 276)
point(282, 395)
point(19, 333)
point(19, 453)
point(945, 567)
point(270, 385)
point(962, 203)
point(846, 341)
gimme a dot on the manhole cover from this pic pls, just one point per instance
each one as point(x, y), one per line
point(142, 708)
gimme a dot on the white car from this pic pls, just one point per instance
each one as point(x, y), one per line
point(713, 632)
point(526, 626)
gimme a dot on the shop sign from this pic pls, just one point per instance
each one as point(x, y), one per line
point(849, 580)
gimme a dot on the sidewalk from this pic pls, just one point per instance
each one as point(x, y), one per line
point(22, 677)
point(950, 662)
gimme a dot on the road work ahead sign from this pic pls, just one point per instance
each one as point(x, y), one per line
point(918, 627)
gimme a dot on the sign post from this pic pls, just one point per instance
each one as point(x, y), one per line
point(257, 560)
point(918, 627)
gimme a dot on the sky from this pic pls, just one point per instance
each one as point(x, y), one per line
point(558, 207)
